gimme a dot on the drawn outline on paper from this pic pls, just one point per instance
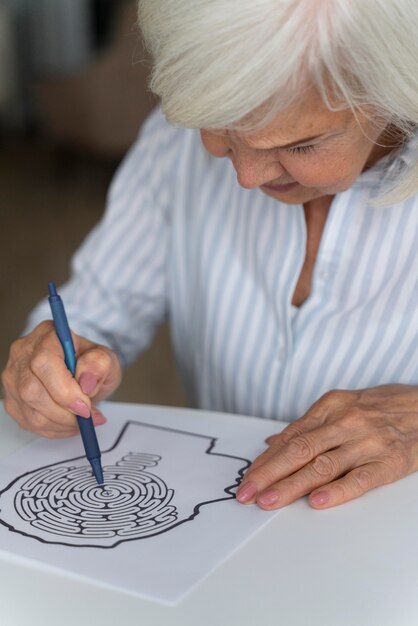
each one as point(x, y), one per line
point(135, 503)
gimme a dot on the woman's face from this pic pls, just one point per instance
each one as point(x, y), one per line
point(306, 152)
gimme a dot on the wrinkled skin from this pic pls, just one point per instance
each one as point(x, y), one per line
point(41, 394)
point(346, 444)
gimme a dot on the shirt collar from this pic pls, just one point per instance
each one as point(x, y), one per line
point(391, 165)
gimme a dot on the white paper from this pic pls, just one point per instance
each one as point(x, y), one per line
point(166, 516)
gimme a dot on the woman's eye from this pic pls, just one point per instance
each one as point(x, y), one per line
point(301, 149)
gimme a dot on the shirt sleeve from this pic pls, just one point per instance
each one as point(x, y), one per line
point(117, 292)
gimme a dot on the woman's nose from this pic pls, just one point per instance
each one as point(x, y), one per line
point(255, 169)
point(252, 166)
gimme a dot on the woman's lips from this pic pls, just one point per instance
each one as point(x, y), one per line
point(287, 187)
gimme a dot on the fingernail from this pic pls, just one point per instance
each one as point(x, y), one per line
point(80, 408)
point(320, 498)
point(268, 498)
point(87, 382)
point(98, 418)
point(246, 492)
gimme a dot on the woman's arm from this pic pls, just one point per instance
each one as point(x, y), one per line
point(116, 296)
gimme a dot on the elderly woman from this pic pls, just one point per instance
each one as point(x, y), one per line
point(288, 266)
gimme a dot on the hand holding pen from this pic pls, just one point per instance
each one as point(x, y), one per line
point(41, 394)
point(85, 424)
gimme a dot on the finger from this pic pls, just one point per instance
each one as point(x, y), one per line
point(300, 450)
point(54, 431)
point(279, 440)
point(48, 366)
point(37, 423)
point(354, 484)
point(14, 410)
point(304, 424)
point(35, 399)
point(58, 434)
point(97, 417)
point(98, 372)
point(323, 469)
point(275, 444)
point(263, 458)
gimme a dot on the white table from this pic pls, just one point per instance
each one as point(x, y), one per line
point(354, 565)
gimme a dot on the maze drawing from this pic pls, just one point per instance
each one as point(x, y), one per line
point(66, 501)
point(143, 494)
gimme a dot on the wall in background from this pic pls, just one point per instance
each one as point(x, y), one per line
point(55, 164)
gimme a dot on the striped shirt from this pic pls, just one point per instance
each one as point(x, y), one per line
point(181, 239)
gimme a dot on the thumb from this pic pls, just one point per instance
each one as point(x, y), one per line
point(98, 372)
point(88, 383)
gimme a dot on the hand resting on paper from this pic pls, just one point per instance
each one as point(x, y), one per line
point(347, 443)
point(41, 394)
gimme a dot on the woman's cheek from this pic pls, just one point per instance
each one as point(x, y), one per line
point(322, 173)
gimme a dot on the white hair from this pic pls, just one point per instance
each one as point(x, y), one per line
point(238, 63)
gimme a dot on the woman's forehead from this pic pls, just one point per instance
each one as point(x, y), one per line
point(302, 121)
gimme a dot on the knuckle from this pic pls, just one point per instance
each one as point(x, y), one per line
point(41, 361)
point(334, 397)
point(6, 379)
point(101, 358)
point(265, 474)
point(381, 437)
point(29, 390)
point(354, 419)
point(300, 448)
point(400, 461)
point(324, 466)
point(38, 423)
point(16, 348)
point(340, 491)
point(9, 406)
point(363, 479)
point(43, 328)
point(289, 433)
point(286, 436)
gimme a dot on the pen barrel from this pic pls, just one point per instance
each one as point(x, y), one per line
point(63, 331)
point(69, 355)
point(85, 425)
point(89, 437)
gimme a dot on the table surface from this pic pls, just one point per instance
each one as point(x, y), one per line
point(354, 565)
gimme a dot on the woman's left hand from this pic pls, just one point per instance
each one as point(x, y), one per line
point(347, 443)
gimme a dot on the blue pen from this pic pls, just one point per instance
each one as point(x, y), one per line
point(86, 426)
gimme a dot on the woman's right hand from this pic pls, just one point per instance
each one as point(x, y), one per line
point(41, 394)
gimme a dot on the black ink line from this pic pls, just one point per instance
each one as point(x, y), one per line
point(196, 509)
point(65, 501)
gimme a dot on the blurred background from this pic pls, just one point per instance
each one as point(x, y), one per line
point(72, 99)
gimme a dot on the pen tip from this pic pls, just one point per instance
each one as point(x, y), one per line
point(97, 470)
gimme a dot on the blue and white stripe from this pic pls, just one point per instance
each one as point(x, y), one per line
point(181, 239)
